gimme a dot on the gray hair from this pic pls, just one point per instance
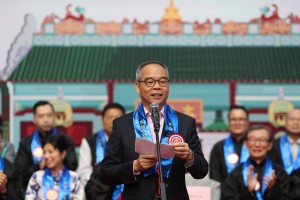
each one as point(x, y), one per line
point(141, 66)
point(259, 127)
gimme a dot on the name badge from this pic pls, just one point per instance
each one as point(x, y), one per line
point(233, 158)
point(52, 194)
point(257, 186)
point(38, 152)
point(175, 138)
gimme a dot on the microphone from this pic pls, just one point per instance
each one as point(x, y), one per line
point(154, 107)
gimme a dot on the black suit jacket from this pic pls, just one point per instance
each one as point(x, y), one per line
point(234, 188)
point(117, 166)
point(275, 153)
point(217, 164)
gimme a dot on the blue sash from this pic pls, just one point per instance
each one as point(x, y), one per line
point(117, 192)
point(100, 146)
point(228, 149)
point(36, 143)
point(142, 130)
point(64, 184)
point(267, 171)
point(1, 164)
point(286, 155)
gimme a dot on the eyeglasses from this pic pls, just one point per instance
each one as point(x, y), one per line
point(262, 141)
point(294, 119)
point(151, 82)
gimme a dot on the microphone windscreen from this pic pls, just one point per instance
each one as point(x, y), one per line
point(154, 106)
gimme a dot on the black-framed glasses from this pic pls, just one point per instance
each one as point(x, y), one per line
point(294, 119)
point(151, 82)
point(262, 141)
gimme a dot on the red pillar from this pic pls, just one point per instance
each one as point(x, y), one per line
point(232, 91)
point(110, 91)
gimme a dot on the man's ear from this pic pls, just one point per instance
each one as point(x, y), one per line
point(137, 87)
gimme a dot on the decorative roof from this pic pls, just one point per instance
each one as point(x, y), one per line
point(171, 12)
point(186, 64)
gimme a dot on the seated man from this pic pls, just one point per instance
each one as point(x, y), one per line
point(228, 153)
point(92, 152)
point(285, 151)
point(258, 177)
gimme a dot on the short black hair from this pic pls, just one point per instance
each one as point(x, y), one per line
point(58, 141)
point(259, 127)
point(237, 107)
point(142, 65)
point(113, 105)
point(41, 103)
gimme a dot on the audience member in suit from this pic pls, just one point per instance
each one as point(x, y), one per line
point(228, 153)
point(138, 172)
point(286, 151)
point(91, 152)
point(6, 172)
point(258, 177)
point(29, 157)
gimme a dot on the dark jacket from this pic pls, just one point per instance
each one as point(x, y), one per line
point(117, 166)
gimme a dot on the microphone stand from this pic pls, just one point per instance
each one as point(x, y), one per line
point(163, 195)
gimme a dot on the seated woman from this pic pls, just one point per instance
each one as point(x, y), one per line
point(258, 177)
point(56, 181)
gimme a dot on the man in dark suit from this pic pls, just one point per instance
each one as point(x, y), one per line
point(29, 157)
point(285, 150)
point(228, 153)
point(139, 172)
point(258, 177)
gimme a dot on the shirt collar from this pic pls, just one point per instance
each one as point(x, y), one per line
point(293, 142)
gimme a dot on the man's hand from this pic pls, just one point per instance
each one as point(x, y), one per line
point(269, 181)
point(252, 180)
point(144, 162)
point(183, 151)
point(3, 181)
